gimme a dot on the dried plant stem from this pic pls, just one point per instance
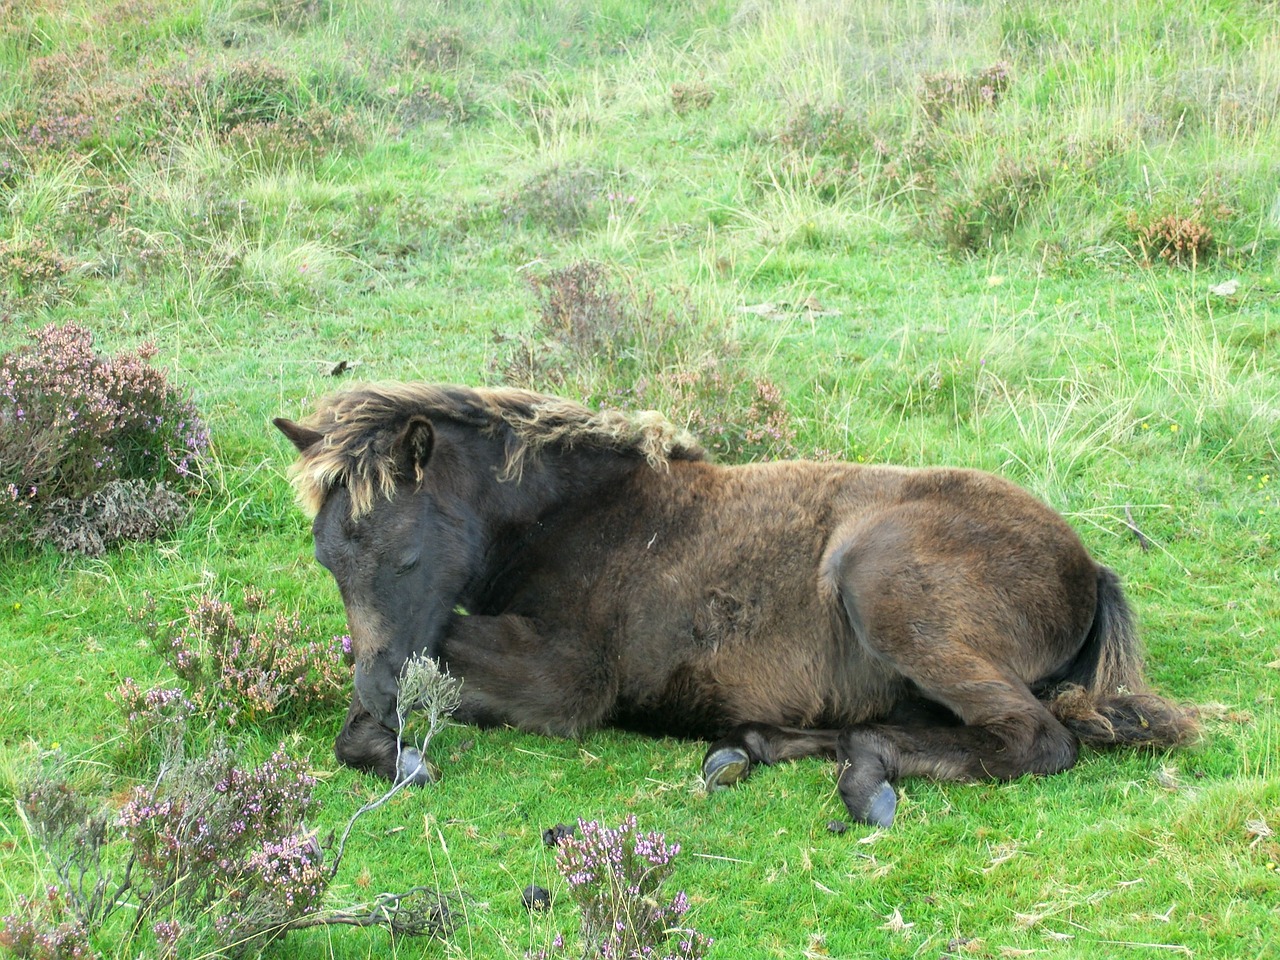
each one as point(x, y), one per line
point(422, 687)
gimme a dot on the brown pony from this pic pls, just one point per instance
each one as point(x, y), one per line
point(580, 569)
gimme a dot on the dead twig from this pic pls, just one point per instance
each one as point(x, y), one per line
point(1143, 542)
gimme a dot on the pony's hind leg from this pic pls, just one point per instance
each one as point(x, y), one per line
point(870, 758)
point(968, 622)
point(732, 757)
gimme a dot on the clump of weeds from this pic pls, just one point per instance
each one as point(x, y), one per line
point(440, 50)
point(592, 330)
point(1180, 235)
point(971, 218)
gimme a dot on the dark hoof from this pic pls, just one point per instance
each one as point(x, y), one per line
point(881, 809)
point(414, 768)
point(724, 767)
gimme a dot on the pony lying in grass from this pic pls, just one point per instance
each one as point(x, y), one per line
point(580, 569)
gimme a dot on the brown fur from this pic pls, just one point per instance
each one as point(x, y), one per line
point(935, 622)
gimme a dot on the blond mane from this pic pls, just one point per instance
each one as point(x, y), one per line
point(359, 428)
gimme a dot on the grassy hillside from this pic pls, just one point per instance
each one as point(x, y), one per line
point(997, 235)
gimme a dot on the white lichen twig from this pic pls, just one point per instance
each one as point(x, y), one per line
point(425, 687)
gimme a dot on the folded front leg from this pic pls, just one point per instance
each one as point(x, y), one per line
point(514, 674)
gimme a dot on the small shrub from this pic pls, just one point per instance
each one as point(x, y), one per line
point(100, 207)
point(425, 103)
point(688, 97)
point(584, 322)
point(615, 878)
point(121, 511)
point(971, 218)
point(312, 133)
point(828, 129)
point(289, 14)
point(440, 49)
point(906, 167)
point(736, 418)
point(590, 330)
point(562, 199)
point(205, 839)
point(153, 718)
point(13, 168)
point(247, 669)
point(943, 93)
point(75, 422)
point(32, 269)
point(252, 91)
point(206, 851)
point(579, 307)
point(830, 152)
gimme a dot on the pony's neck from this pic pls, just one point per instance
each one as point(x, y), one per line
point(553, 478)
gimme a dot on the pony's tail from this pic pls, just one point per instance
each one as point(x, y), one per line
point(1103, 698)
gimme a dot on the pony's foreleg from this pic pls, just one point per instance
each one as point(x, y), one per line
point(732, 757)
point(513, 674)
point(366, 744)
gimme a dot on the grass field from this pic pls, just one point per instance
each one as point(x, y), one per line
point(990, 234)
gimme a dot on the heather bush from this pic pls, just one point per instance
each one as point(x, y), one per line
point(12, 169)
point(439, 49)
point(736, 418)
point(830, 151)
point(589, 328)
point(561, 199)
point(943, 93)
point(584, 321)
point(244, 669)
point(615, 878)
point(812, 128)
point(689, 97)
point(42, 928)
point(289, 14)
point(972, 215)
point(122, 510)
point(81, 106)
point(155, 721)
point(205, 840)
point(75, 423)
point(579, 307)
point(32, 270)
point(207, 851)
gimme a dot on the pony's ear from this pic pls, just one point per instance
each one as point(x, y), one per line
point(302, 438)
point(412, 448)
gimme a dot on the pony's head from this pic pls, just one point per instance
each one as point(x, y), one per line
point(406, 484)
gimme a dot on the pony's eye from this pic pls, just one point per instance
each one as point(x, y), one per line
point(406, 565)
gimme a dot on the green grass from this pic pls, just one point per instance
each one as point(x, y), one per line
point(376, 182)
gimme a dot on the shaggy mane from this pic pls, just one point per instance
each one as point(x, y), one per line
point(360, 426)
